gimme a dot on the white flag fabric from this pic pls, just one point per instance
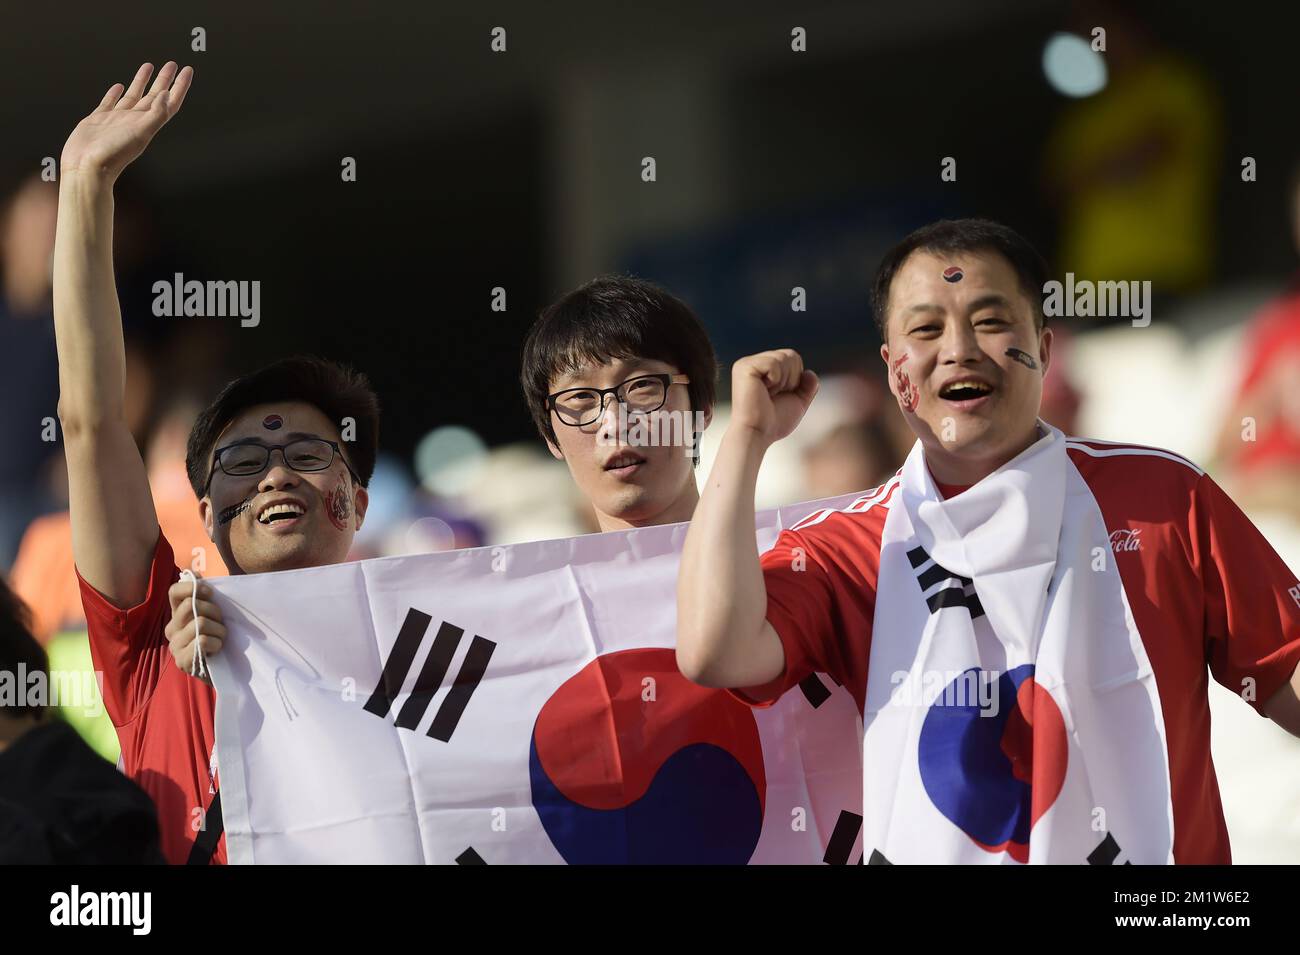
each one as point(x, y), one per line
point(514, 704)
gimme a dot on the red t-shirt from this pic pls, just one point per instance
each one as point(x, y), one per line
point(163, 717)
point(947, 491)
point(1203, 584)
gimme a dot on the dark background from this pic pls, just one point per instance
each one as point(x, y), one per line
point(521, 169)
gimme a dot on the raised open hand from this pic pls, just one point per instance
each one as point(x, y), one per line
point(117, 132)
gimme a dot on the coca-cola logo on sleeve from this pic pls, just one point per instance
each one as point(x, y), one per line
point(1126, 538)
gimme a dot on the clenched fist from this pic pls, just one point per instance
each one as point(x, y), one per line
point(117, 132)
point(770, 392)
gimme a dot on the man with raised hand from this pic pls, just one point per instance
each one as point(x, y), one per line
point(277, 489)
point(1025, 619)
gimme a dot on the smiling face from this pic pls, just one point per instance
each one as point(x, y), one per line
point(964, 318)
point(292, 518)
point(628, 482)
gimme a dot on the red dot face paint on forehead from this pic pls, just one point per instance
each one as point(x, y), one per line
point(272, 422)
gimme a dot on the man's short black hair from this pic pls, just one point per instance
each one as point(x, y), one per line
point(609, 318)
point(337, 391)
point(948, 236)
point(18, 646)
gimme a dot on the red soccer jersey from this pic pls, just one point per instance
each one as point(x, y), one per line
point(163, 717)
point(1204, 586)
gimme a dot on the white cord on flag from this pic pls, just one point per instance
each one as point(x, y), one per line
point(197, 659)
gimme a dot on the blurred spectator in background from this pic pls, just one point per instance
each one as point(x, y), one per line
point(523, 494)
point(1061, 399)
point(43, 575)
point(1259, 445)
point(27, 360)
point(59, 801)
point(853, 456)
point(851, 442)
point(1132, 167)
point(32, 478)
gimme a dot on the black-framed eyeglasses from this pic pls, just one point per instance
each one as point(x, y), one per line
point(304, 454)
point(640, 395)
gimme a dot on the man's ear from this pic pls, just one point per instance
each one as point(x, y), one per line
point(1045, 349)
point(360, 501)
point(708, 417)
point(205, 515)
point(555, 452)
point(889, 379)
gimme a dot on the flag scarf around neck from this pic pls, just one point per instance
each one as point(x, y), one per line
point(514, 704)
point(1008, 692)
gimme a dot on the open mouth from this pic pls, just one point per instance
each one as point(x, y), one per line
point(279, 514)
point(966, 393)
point(624, 463)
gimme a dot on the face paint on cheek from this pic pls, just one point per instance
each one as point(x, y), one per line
point(338, 505)
point(230, 513)
point(1023, 357)
point(908, 394)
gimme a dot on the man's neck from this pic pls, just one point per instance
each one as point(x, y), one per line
point(963, 471)
point(680, 510)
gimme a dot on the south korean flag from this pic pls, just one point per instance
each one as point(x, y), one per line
point(514, 705)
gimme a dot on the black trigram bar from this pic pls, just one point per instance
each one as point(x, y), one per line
point(815, 690)
point(470, 857)
point(934, 574)
point(431, 676)
point(398, 663)
point(948, 597)
point(955, 597)
point(842, 838)
point(1106, 853)
point(467, 680)
point(878, 858)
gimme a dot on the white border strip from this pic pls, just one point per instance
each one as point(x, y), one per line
point(862, 504)
point(1128, 449)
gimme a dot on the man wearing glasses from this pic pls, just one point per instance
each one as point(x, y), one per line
point(279, 463)
point(619, 376)
point(625, 369)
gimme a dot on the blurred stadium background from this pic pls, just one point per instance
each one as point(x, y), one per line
point(775, 168)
